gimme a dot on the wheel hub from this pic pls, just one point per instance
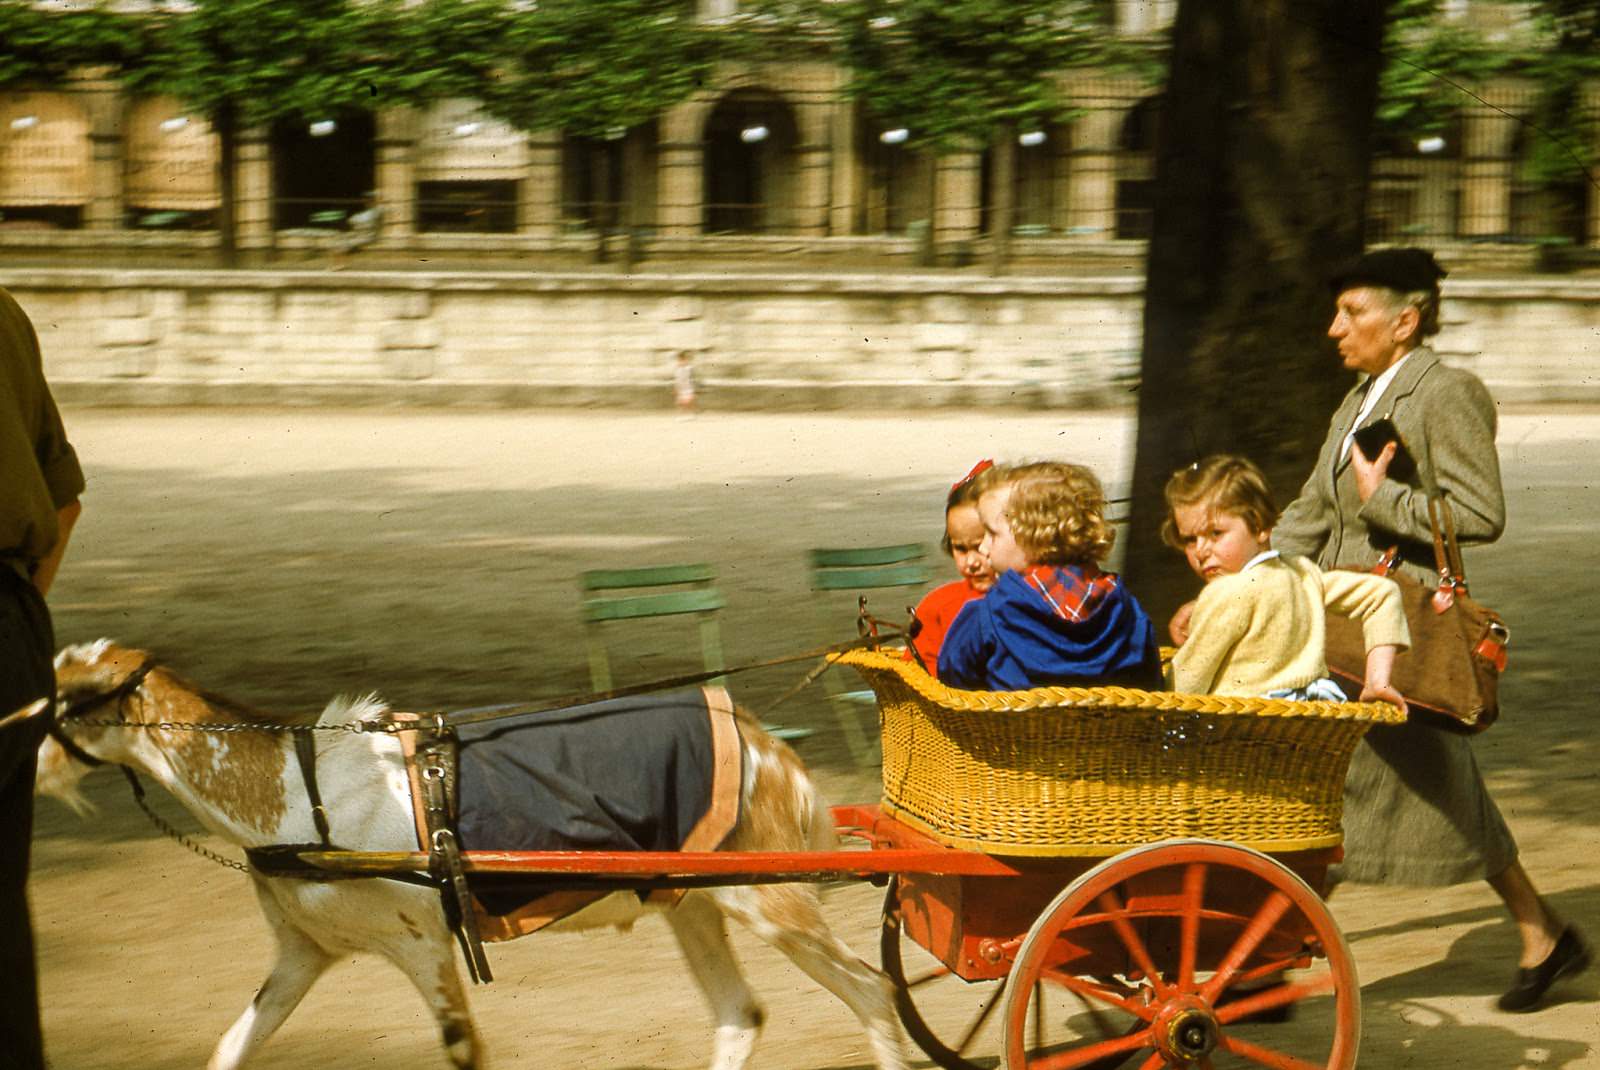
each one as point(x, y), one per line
point(1186, 1030)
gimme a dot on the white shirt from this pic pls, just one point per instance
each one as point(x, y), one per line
point(1375, 390)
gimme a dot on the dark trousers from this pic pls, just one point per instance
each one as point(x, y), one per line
point(26, 674)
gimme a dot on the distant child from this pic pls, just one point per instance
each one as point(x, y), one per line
point(1259, 627)
point(963, 538)
point(1052, 616)
point(683, 383)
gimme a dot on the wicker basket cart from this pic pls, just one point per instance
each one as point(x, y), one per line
point(1163, 858)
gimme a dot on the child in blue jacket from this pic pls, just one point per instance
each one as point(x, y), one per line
point(1053, 616)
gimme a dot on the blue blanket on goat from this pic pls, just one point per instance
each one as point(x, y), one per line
point(656, 772)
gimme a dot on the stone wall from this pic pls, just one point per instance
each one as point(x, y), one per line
point(767, 341)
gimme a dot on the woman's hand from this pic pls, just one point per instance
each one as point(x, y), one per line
point(1371, 474)
point(1178, 626)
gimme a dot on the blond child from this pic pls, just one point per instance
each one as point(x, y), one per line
point(1053, 616)
point(1259, 627)
point(963, 539)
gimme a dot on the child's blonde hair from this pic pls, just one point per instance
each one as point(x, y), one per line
point(1229, 484)
point(1056, 512)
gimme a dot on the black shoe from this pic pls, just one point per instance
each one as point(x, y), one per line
point(1570, 956)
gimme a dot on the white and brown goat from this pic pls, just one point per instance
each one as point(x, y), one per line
point(245, 787)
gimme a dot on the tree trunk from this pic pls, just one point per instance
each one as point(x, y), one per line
point(1003, 187)
point(1262, 160)
point(226, 123)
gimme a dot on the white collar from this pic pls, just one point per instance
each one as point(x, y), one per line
point(1380, 383)
point(1264, 555)
point(1376, 385)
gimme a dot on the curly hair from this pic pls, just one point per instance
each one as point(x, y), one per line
point(1057, 513)
point(1229, 484)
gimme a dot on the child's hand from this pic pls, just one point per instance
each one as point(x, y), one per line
point(1380, 666)
point(1383, 693)
point(1178, 626)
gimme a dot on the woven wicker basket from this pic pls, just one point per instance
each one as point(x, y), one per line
point(1067, 771)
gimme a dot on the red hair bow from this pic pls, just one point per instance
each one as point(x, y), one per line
point(977, 469)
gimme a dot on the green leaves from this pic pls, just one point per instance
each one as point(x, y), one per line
point(590, 67)
point(953, 72)
point(44, 47)
point(1435, 67)
point(268, 59)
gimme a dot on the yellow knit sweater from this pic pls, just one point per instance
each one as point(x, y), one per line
point(1263, 629)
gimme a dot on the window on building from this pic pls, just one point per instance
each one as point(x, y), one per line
point(324, 170)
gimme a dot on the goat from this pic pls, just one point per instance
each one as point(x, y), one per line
point(245, 788)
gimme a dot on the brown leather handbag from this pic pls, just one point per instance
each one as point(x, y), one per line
point(1458, 645)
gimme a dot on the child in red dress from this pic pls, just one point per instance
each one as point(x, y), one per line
point(963, 534)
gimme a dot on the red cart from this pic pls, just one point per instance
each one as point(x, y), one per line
point(1077, 877)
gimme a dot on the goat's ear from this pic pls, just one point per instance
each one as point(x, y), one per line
point(32, 710)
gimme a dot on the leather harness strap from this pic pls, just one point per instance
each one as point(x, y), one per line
point(436, 758)
point(305, 751)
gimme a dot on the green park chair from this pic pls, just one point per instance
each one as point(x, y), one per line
point(854, 571)
point(611, 595)
point(617, 594)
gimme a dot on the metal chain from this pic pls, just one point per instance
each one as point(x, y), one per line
point(357, 727)
point(204, 852)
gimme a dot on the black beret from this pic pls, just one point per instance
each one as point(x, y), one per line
point(1402, 270)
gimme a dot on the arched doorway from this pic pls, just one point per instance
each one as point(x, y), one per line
point(899, 180)
point(45, 156)
point(322, 169)
point(751, 174)
point(1553, 205)
point(1415, 189)
point(1040, 162)
point(1136, 153)
point(610, 182)
point(170, 172)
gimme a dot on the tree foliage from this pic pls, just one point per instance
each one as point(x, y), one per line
point(954, 73)
point(46, 47)
point(1436, 66)
point(264, 59)
point(589, 67)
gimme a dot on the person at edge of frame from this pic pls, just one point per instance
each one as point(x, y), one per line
point(40, 482)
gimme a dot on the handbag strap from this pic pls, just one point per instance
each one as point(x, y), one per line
point(1442, 522)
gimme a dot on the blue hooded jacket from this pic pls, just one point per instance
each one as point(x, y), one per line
point(1016, 637)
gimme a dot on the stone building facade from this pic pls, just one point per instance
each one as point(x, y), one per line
point(774, 156)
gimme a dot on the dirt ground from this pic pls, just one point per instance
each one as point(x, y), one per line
point(281, 557)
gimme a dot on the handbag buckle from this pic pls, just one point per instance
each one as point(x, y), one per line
point(1445, 596)
point(1492, 647)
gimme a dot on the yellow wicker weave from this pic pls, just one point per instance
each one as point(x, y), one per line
point(1071, 771)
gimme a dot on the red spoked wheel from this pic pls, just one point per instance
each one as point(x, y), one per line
point(1185, 953)
point(951, 1019)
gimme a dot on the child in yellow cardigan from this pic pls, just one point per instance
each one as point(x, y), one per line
point(1258, 628)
